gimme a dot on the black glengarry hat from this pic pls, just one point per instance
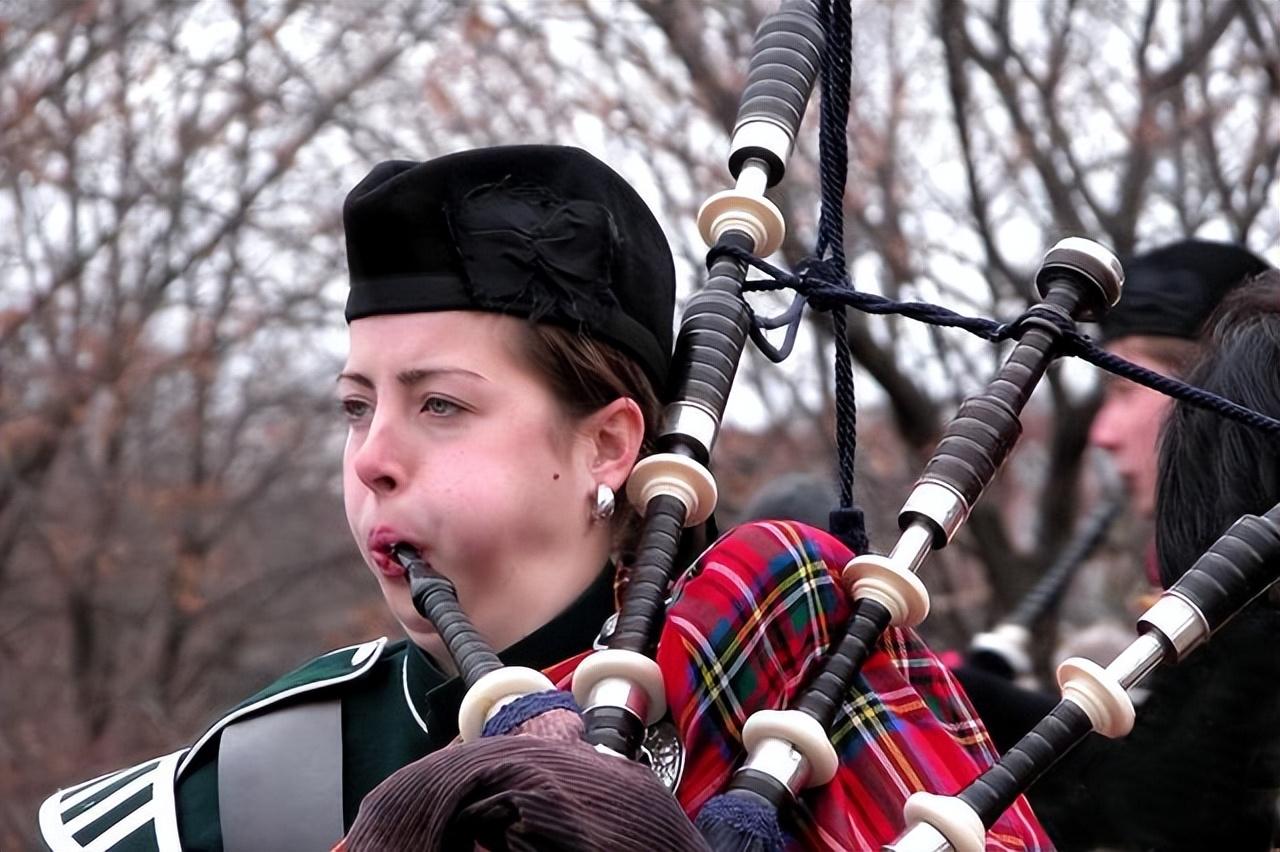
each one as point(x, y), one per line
point(1170, 291)
point(538, 231)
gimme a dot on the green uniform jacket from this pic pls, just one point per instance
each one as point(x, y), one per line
point(396, 707)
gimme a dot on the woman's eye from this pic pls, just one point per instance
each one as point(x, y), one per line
point(440, 406)
point(355, 409)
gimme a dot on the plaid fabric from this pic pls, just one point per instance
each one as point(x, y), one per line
point(746, 628)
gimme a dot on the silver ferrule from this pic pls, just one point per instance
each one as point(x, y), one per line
point(920, 837)
point(1137, 661)
point(915, 543)
point(1178, 620)
point(619, 692)
point(691, 421)
point(778, 759)
point(754, 177)
point(939, 505)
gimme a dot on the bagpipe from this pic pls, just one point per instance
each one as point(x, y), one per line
point(1005, 649)
point(800, 698)
point(1239, 567)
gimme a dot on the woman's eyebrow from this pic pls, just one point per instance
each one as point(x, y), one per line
point(357, 378)
point(412, 376)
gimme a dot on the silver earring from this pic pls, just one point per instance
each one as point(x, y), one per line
point(603, 509)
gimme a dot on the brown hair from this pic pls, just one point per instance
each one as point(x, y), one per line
point(1212, 471)
point(584, 376)
point(1177, 353)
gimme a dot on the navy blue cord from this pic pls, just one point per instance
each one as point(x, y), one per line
point(847, 521)
point(816, 286)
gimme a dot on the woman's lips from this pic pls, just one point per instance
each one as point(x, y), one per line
point(387, 564)
point(381, 541)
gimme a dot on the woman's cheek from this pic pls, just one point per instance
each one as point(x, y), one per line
point(351, 505)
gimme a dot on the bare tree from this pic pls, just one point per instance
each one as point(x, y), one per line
point(168, 498)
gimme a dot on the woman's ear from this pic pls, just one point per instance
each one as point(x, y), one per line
point(616, 433)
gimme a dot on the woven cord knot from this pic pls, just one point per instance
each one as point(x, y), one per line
point(1048, 318)
point(822, 281)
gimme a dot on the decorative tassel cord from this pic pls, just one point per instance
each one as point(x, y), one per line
point(847, 521)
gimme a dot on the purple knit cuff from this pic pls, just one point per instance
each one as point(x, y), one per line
point(525, 708)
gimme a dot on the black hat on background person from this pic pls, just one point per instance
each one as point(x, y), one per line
point(1171, 290)
point(538, 231)
point(1169, 294)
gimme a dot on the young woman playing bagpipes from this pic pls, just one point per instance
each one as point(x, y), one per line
point(510, 321)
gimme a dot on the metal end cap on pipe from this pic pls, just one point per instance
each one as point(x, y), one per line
point(1096, 263)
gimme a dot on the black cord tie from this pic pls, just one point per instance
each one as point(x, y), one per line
point(821, 280)
point(848, 524)
point(1053, 320)
point(1072, 341)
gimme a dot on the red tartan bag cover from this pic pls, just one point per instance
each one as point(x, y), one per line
point(746, 627)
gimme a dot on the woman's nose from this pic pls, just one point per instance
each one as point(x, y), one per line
point(379, 461)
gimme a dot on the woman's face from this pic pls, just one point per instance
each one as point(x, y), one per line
point(456, 448)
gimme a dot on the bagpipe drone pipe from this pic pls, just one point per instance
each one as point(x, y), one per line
point(779, 641)
point(1005, 649)
point(1234, 571)
point(791, 750)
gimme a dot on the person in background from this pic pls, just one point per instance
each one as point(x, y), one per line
point(1201, 768)
point(1169, 293)
point(804, 497)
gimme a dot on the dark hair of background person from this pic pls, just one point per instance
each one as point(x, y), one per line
point(1216, 470)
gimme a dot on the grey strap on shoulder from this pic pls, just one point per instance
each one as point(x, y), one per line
point(280, 780)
